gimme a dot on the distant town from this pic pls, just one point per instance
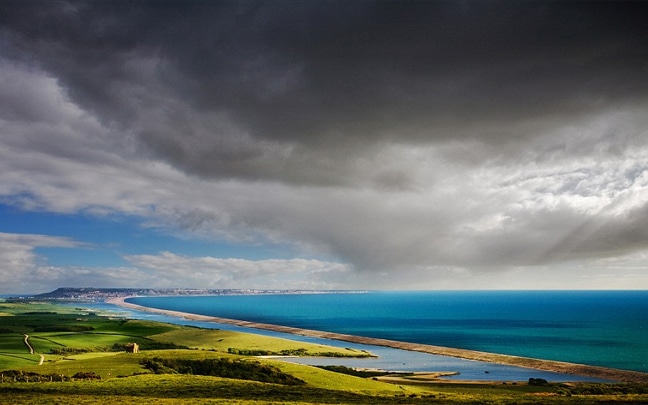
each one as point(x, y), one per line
point(89, 294)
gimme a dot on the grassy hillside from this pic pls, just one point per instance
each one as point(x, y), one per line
point(84, 361)
point(60, 333)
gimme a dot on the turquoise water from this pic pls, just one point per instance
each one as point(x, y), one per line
point(605, 328)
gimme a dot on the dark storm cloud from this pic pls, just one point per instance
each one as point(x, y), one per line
point(294, 91)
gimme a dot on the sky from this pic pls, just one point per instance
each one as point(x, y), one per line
point(323, 145)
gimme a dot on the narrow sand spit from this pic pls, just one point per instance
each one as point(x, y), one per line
point(545, 365)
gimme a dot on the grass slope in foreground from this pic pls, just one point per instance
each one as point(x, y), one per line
point(179, 364)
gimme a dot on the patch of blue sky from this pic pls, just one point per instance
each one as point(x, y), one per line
point(106, 240)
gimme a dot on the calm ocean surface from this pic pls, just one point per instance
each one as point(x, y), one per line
point(604, 328)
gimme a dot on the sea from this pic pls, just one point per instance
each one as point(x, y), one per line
point(601, 328)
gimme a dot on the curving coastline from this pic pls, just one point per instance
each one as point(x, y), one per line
point(538, 364)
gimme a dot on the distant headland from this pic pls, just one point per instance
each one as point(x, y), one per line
point(102, 294)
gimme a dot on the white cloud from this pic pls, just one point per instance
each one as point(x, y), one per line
point(22, 269)
point(172, 270)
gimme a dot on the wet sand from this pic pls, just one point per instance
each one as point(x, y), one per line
point(538, 364)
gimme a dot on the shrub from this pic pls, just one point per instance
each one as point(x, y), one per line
point(538, 381)
point(250, 352)
point(63, 328)
point(354, 372)
point(243, 370)
point(39, 313)
point(157, 366)
point(86, 375)
point(67, 351)
point(148, 345)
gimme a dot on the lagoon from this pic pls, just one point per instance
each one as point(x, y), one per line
point(387, 358)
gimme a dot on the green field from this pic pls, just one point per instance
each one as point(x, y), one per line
point(85, 361)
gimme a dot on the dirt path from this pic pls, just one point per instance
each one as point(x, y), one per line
point(31, 350)
point(538, 364)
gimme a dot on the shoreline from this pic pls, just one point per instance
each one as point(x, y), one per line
point(504, 359)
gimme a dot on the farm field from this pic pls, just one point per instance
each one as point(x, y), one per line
point(81, 357)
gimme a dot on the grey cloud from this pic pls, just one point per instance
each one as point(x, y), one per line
point(312, 85)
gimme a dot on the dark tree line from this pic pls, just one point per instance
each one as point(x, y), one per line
point(227, 368)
